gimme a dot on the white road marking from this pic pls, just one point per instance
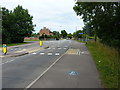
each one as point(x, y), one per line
point(65, 48)
point(33, 82)
point(82, 52)
point(57, 54)
point(49, 53)
point(8, 61)
point(34, 53)
point(2, 56)
point(49, 48)
point(42, 53)
point(78, 52)
point(59, 48)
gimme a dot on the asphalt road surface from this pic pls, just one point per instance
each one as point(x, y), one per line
point(71, 56)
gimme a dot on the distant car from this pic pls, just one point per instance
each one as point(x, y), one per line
point(67, 38)
point(57, 38)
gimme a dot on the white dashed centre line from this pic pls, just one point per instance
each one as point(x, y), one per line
point(49, 53)
point(57, 54)
point(65, 48)
point(34, 53)
point(59, 48)
point(42, 53)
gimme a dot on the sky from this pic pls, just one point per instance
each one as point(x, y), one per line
point(56, 15)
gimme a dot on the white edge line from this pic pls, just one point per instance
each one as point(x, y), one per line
point(30, 85)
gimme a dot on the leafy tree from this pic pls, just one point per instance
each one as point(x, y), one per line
point(77, 35)
point(17, 24)
point(7, 24)
point(23, 24)
point(35, 34)
point(103, 19)
point(69, 35)
point(56, 34)
point(63, 33)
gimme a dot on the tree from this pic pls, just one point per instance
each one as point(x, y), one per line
point(56, 34)
point(16, 25)
point(63, 33)
point(35, 34)
point(7, 24)
point(77, 34)
point(103, 19)
point(69, 35)
point(23, 24)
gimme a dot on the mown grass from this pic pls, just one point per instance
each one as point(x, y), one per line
point(81, 41)
point(106, 59)
point(14, 44)
point(31, 40)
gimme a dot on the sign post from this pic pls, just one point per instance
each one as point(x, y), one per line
point(41, 43)
point(4, 49)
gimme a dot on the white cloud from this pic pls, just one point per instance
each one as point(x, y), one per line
point(54, 14)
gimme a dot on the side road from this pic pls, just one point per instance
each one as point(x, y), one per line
point(73, 70)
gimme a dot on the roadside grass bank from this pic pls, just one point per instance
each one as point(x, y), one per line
point(14, 44)
point(81, 41)
point(36, 40)
point(106, 59)
point(30, 40)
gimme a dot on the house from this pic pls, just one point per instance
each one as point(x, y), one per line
point(45, 31)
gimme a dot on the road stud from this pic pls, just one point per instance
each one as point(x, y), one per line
point(41, 43)
point(4, 49)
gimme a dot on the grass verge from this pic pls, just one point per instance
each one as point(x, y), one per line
point(106, 59)
point(81, 41)
point(31, 40)
point(14, 44)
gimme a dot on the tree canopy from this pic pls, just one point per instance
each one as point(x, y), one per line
point(63, 33)
point(16, 25)
point(103, 19)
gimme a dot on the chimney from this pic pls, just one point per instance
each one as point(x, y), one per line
point(44, 27)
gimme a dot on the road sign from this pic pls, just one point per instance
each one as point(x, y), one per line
point(80, 33)
point(4, 48)
point(41, 43)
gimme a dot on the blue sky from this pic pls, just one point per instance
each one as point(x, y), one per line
point(53, 14)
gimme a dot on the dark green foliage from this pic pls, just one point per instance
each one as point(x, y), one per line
point(35, 34)
point(103, 19)
point(16, 25)
point(56, 34)
point(63, 34)
point(69, 35)
point(77, 35)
